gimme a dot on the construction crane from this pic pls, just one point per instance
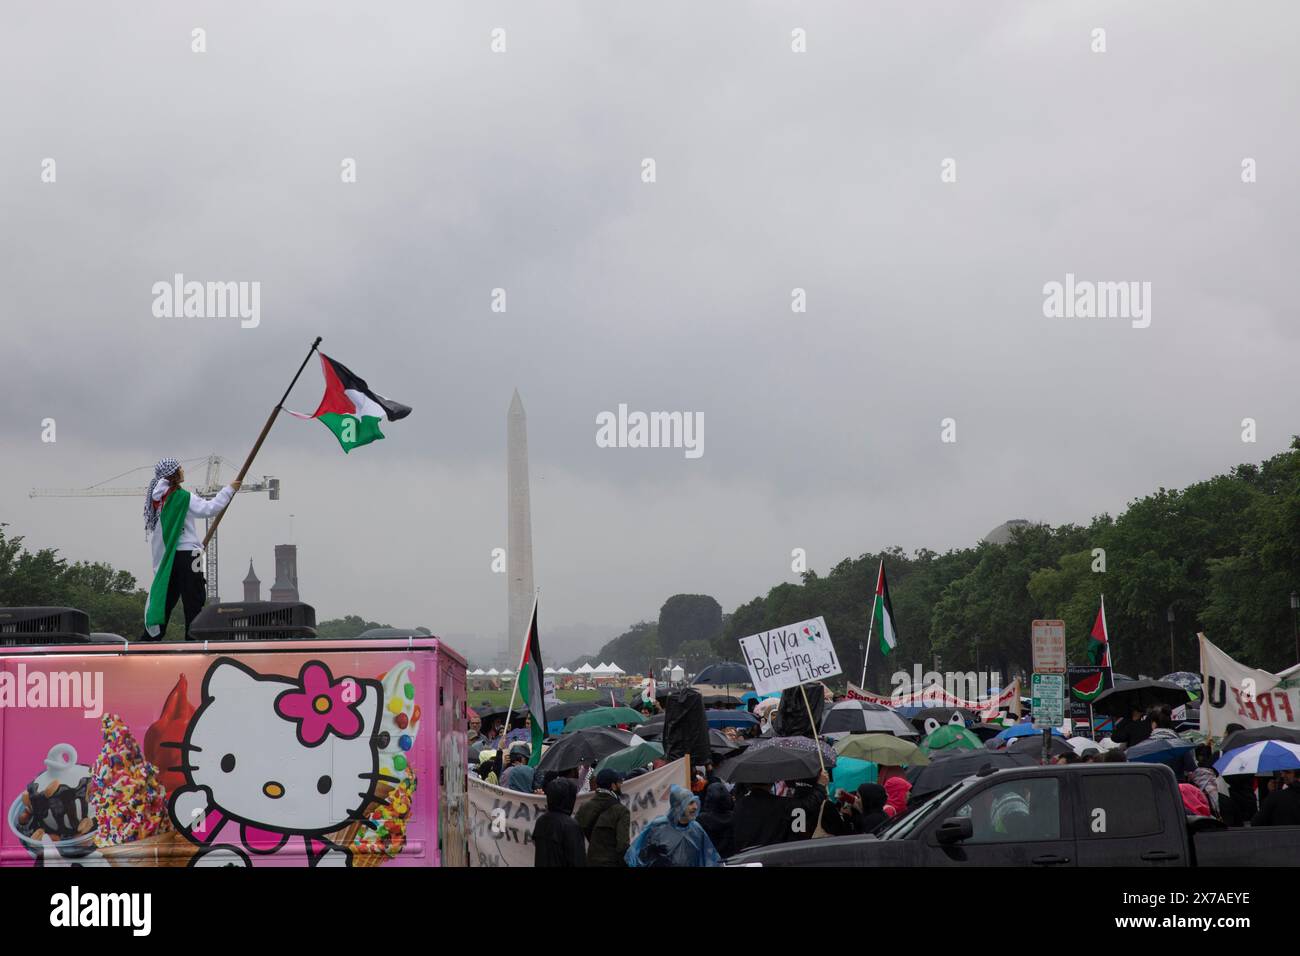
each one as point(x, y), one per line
point(211, 485)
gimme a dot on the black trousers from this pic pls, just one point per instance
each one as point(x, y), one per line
point(186, 585)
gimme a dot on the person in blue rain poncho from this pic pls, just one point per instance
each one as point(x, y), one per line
point(676, 839)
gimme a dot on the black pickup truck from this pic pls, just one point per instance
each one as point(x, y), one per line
point(1067, 815)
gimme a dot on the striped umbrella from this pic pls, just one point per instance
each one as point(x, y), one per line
point(1261, 758)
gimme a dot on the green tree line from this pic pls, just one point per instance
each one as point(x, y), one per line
point(1223, 554)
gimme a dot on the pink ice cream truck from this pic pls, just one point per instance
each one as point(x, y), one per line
point(261, 747)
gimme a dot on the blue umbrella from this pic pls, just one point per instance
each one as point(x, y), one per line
point(1023, 730)
point(1267, 756)
point(1160, 750)
point(730, 718)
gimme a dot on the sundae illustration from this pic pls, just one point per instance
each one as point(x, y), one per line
point(381, 835)
point(51, 815)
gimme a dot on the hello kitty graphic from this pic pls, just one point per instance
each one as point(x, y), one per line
point(273, 765)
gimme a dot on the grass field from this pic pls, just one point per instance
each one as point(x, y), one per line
point(501, 698)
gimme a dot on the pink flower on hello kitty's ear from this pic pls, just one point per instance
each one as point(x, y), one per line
point(323, 706)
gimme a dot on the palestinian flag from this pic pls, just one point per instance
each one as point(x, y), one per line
point(883, 613)
point(350, 409)
point(1099, 642)
point(532, 688)
point(171, 522)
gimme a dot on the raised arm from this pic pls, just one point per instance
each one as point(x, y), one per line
point(214, 506)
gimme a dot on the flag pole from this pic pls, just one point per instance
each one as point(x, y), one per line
point(248, 462)
point(816, 739)
point(1205, 695)
point(515, 690)
point(871, 627)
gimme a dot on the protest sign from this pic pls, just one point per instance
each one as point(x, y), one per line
point(789, 656)
point(937, 695)
point(1237, 694)
point(501, 821)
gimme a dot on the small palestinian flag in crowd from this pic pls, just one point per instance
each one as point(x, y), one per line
point(1099, 642)
point(532, 688)
point(883, 613)
point(350, 408)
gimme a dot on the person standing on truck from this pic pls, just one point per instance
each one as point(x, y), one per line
point(605, 822)
point(1281, 808)
point(169, 513)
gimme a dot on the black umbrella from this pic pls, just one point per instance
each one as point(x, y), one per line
point(1032, 744)
point(863, 717)
point(652, 729)
point(770, 764)
point(1244, 738)
point(721, 700)
point(985, 732)
point(1124, 698)
point(587, 746)
point(720, 745)
point(944, 771)
point(723, 674)
point(570, 709)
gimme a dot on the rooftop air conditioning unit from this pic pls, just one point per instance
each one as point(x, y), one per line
point(27, 626)
point(255, 621)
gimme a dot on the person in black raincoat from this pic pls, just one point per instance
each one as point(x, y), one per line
point(1239, 806)
point(716, 818)
point(761, 817)
point(1281, 808)
point(869, 815)
point(557, 838)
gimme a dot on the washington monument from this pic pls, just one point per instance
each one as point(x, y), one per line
point(519, 534)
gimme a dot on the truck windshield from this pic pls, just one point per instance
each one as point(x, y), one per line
point(909, 822)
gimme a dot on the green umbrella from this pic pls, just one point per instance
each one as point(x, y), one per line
point(951, 738)
point(882, 748)
point(603, 717)
point(638, 755)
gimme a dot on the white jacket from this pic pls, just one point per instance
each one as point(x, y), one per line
point(199, 508)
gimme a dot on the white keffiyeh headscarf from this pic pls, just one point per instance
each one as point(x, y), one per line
point(163, 469)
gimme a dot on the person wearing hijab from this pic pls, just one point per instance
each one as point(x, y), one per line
point(169, 513)
point(896, 791)
point(557, 838)
point(675, 839)
point(870, 815)
point(716, 818)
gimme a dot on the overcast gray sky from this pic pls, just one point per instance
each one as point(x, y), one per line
point(522, 170)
